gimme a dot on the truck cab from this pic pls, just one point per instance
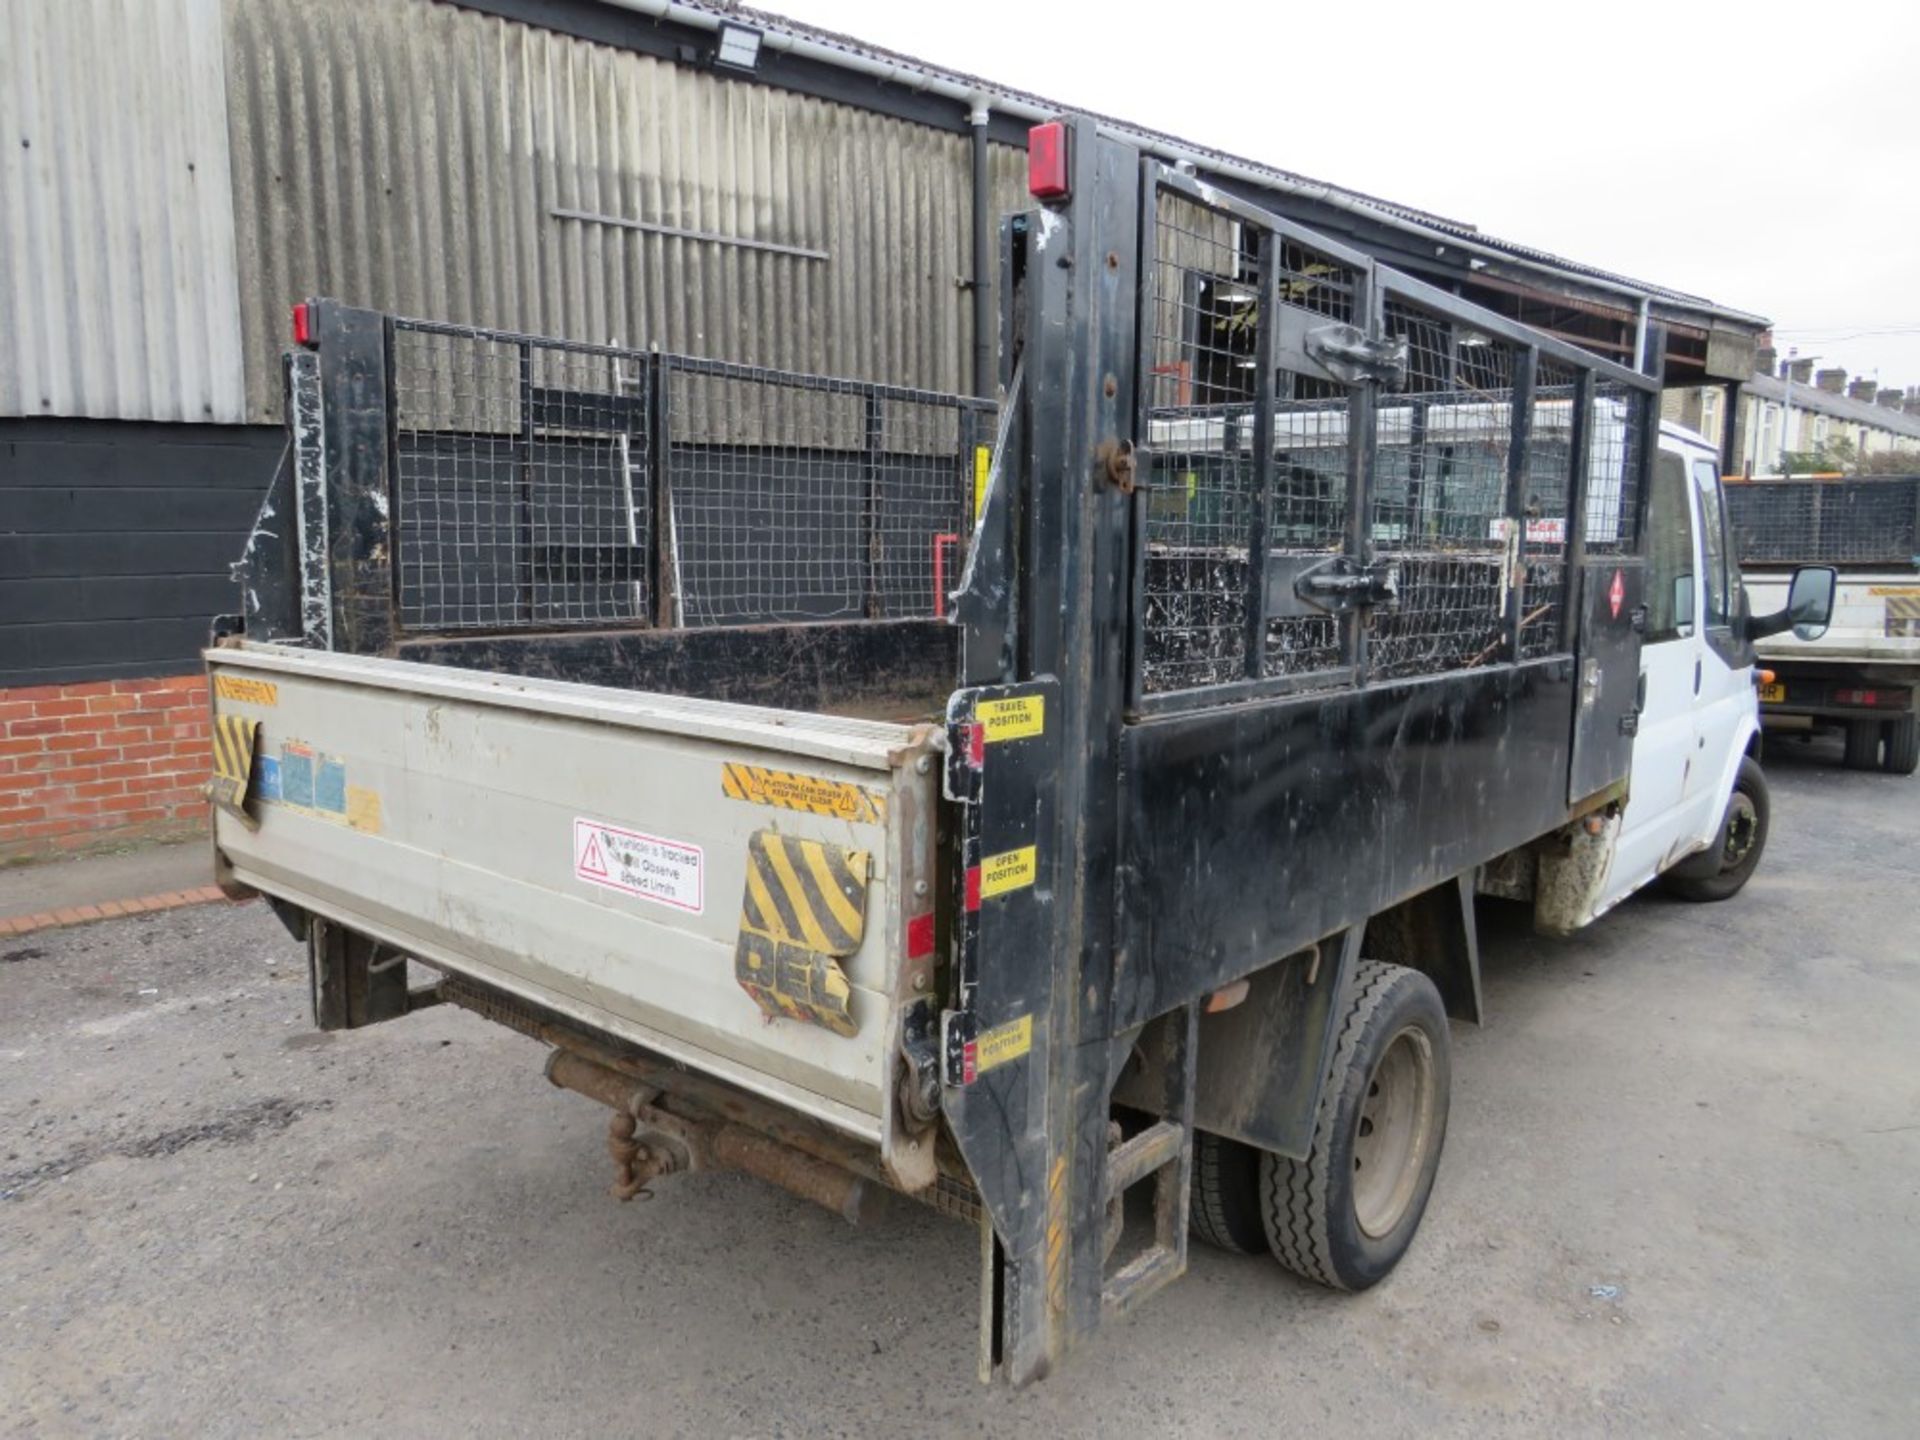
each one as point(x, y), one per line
point(1697, 812)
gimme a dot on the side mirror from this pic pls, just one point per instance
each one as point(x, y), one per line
point(1809, 606)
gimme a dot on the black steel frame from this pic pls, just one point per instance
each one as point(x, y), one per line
point(1186, 840)
point(355, 376)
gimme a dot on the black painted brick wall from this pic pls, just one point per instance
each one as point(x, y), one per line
point(116, 539)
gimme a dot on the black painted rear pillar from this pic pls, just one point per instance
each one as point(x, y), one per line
point(352, 346)
point(1082, 297)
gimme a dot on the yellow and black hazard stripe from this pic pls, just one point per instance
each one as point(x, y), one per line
point(804, 903)
point(809, 794)
point(806, 892)
point(233, 742)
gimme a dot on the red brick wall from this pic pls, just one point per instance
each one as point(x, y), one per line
point(91, 765)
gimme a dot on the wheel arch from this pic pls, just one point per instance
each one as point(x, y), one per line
point(1434, 932)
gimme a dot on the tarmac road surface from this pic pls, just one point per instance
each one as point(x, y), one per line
point(1680, 1195)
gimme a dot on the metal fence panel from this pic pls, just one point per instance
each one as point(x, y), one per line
point(547, 484)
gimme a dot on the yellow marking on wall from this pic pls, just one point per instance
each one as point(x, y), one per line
point(233, 742)
point(363, 809)
point(1893, 590)
point(1015, 718)
point(810, 794)
point(982, 473)
point(245, 690)
point(1010, 870)
point(1003, 1043)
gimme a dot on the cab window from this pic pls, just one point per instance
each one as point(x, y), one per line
point(1713, 536)
point(1669, 552)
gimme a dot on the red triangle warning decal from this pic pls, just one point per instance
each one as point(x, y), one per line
point(591, 861)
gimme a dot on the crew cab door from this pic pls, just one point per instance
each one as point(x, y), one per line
point(1671, 669)
point(1723, 691)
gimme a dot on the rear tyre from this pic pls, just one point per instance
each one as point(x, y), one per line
point(1346, 1213)
point(1903, 746)
point(1741, 841)
point(1863, 745)
point(1225, 1204)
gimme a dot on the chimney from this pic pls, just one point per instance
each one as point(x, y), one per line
point(1891, 397)
point(1862, 390)
point(1834, 381)
point(1764, 359)
point(1800, 370)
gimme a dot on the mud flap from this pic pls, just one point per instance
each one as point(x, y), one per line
point(997, 1041)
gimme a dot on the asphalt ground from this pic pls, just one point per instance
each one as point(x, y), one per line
point(1680, 1195)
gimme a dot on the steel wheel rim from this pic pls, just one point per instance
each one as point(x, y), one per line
point(1393, 1132)
point(1743, 826)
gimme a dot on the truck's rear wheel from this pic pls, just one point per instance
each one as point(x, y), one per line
point(1903, 745)
point(1863, 745)
point(1224, 1209)
point(1721, 872)
point(1346, 1213)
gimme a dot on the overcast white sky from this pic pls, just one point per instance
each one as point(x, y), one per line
point(1765, 156)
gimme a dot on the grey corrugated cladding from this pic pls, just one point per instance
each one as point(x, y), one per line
point(411, 156)
point(117, 289)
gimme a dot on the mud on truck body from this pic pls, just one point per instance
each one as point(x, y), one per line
point(1020, 810)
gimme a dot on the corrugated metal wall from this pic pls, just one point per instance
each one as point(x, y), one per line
point(117, 287)
point(411, 156)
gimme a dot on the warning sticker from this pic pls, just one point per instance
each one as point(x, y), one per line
point(1012, 719)
point(814, 794)
point(1012, 870)
point(247, 692)
point(996, 1047)
point(982, 472)
point(667, 872)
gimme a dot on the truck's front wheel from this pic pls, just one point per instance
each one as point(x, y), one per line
point(1346, 1213)
point(1721, 872)
point(1903, 746)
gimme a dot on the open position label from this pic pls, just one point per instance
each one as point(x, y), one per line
point(1012, 870)
point(667, 872)
point(995, 1047)
point(1015, 718)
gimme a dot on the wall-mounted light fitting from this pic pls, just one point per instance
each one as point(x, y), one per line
point(739, 47)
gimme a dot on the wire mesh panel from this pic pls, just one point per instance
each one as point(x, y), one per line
point(796, 497)
point(1440, 498)
point(521, 475)
point(528, 475)
point(1202, 383)
point(1616, 431)
point(1543, 543)
point(1825, 522)
point(1308, 519)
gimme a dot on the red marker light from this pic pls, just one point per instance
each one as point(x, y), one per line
point(302, 327)
point(1047, 161)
